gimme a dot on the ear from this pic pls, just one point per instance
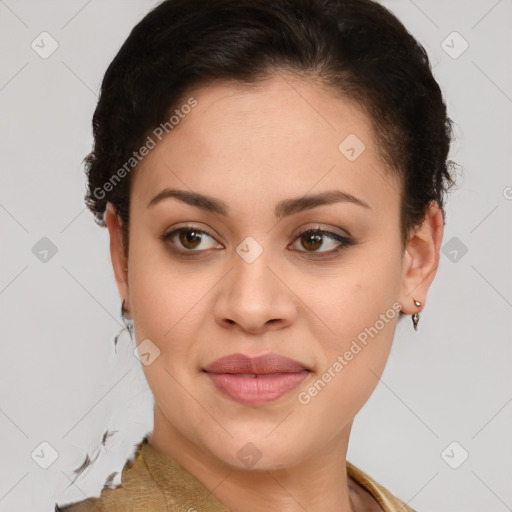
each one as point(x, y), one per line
point(421, 260)
point(119, 263)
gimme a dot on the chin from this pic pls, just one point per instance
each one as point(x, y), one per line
point(258, 452)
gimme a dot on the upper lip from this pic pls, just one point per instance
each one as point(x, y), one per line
point(259, 365)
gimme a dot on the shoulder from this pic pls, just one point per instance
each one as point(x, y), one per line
point(151, 481)
point(136, 485)
point(385, 499)
point(87, 505)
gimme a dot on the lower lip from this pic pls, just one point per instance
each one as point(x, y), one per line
point(256, 390)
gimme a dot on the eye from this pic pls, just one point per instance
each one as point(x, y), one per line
point(191, 239)
point(314, 239)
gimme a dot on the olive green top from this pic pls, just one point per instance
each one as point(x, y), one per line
point(153, 482)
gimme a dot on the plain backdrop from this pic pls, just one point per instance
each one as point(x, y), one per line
point(436, 431)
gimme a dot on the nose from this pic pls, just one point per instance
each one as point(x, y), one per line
point(255, 297)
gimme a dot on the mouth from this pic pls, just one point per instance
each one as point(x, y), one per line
point(256, 380)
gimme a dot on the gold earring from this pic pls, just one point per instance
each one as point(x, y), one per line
point(416, 316)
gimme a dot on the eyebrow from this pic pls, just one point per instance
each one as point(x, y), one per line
point(283, 208)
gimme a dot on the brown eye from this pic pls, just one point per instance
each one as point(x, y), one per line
point(190, 238)
point(314, 239)
point(311, 241)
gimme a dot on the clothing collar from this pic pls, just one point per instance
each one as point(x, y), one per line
point(187, 492)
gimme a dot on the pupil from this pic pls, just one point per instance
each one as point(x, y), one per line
point(190, 239)
point(313, 241)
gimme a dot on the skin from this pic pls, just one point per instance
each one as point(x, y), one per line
point(251, 147)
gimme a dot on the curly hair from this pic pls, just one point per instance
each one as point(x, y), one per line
point(356, 47)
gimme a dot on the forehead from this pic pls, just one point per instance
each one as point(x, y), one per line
point(279, 138)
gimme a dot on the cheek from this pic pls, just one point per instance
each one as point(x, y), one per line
point(358, 307)
point(161, 294)
point(168, 311)
point(354, 295)
point(352, 361)
point(170, 307)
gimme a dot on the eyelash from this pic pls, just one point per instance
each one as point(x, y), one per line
point(345, 242)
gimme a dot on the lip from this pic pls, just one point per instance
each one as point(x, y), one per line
point(256, 380)
point(257, 365)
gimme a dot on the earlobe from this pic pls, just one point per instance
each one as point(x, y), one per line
point(119, 263)
point(421, 260)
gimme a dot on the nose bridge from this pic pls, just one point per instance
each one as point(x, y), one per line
point(251, 276)
point(252, 295)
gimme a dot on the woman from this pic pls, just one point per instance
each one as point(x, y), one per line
point(272, 175)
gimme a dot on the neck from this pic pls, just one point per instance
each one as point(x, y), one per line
point(315, 488)
point(317, 484)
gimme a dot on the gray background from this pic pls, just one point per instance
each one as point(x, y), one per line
point(62, 383)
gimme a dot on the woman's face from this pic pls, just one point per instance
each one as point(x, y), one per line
point(257, 167)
